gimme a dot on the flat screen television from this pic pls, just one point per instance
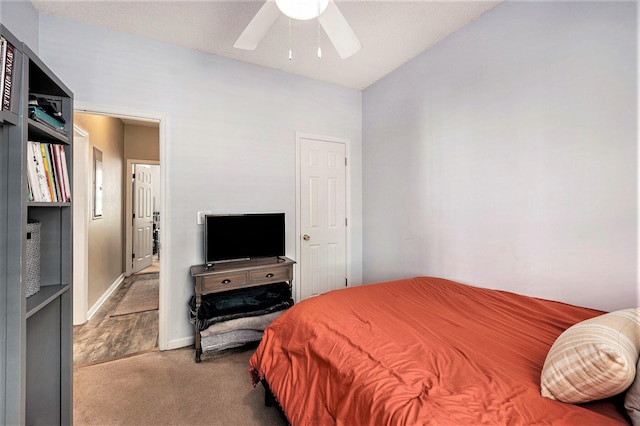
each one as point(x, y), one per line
point(243, 236)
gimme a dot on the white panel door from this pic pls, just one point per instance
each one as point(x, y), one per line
point(322, 217)
point(142, 218)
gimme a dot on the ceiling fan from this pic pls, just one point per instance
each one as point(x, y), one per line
point(329, 16)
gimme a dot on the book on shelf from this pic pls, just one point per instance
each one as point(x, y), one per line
point(57, 169)
point(29, 190)
point(40, 116)
point(32, 176)
point(48, 169)
point(3, 60)
point(35, 166)
point(65, 173)
point(61, 173)
point(7, 50)
point(54, 171)
point(46, 110)
point(48, 178)
point(54, 176)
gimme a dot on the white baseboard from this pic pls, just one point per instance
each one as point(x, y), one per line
point(104, 297)
point(179, 343)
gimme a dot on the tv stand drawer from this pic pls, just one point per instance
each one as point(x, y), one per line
point(223, 282)
point(272, 275)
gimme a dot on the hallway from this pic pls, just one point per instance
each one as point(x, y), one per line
point(107, 336)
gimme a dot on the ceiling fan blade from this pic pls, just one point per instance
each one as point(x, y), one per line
point(339, 31)
point(258, 27)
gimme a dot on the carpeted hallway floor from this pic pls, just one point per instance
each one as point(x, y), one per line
point(169, 388)
point(111, 334)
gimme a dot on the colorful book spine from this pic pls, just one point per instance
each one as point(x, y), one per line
point(47, 169)
point(65, 174)
point(29, 189)
point(3, 60)
point(34, 186)
point(51, 151)
point(8, 77)
point(41, 184)
point(60, 172)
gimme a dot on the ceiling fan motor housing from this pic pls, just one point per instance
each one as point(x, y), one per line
point(302, 10)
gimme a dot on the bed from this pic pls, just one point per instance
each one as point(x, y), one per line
point(421, 351)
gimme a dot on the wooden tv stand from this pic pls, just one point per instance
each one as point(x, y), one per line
point(234, 275)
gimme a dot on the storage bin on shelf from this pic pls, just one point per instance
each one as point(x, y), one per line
point(33, 258)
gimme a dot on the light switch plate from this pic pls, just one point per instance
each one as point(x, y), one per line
point(201, 215)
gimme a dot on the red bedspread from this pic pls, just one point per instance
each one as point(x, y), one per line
point(419, 351)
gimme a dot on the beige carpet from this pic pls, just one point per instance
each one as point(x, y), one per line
point(169, 388)
point(142, 296)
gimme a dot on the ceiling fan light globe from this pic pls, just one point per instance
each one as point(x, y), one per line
point(302, 10)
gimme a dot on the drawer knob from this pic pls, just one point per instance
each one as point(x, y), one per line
point(269, 275)
point(227, 281)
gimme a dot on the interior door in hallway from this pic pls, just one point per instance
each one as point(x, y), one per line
point(142, 218)
point(322, 217)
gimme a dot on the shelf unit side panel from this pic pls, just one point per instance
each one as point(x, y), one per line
point(66, 358)
point(15, 363)
point(43, 358)
point(4, 201)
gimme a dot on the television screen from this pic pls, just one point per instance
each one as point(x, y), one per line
point(243, 236)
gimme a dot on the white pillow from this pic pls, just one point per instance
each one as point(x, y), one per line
point(593, 359)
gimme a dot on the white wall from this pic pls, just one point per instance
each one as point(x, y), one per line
point(505, 157)
point(21, 18)
point(230, 134)
point(156, 193)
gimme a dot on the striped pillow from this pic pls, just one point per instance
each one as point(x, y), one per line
point(593, 359)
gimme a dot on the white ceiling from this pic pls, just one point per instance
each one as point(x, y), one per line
point(391, 32)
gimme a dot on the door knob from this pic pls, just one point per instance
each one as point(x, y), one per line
point(306, 237)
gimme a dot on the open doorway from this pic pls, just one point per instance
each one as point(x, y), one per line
point(121, 310)
point(144, 211)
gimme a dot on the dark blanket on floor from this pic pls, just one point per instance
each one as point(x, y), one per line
point(244, 302)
